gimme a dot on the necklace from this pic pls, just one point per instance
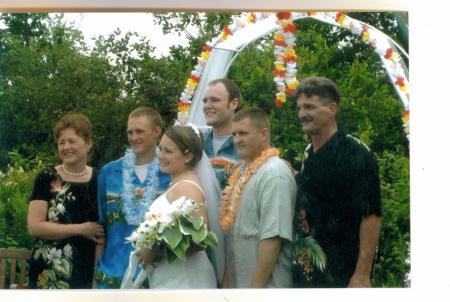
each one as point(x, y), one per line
point(174, 181)
point(136, 197)
point(85, 170)
point(231, 195)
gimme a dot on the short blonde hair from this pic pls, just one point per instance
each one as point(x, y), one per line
point(150, 113)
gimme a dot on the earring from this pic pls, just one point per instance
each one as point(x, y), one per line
point(187, 161)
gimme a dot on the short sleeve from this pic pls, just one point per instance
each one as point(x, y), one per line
point(367, 187)
point(42, 183)
point(276, 206)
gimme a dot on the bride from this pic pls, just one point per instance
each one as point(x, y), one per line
point(181, 151)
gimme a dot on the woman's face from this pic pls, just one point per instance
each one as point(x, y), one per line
point(172, 160)
point(72, 148)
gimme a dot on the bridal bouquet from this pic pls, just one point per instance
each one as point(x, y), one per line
point(173, 227)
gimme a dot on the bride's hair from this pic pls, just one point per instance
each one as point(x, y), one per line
point(187, 140)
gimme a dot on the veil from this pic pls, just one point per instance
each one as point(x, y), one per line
point(213, 194)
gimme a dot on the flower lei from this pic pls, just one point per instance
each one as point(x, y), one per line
point(230, 202)
point(285, 58)
point(136, 201)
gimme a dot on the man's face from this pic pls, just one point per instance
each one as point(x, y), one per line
point(249, 140)
point(314, 114)
point(217, 108)
point(142, 135)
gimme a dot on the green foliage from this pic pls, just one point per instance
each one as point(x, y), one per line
point(15, 189)
point(391, 264)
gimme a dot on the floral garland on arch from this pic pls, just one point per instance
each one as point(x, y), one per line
point(184, 103)
point(390, 57)
point(285, 58)
point(137, 200)
point(231, 195)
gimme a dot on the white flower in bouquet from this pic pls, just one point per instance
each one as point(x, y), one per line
point(185, 206)
point(175, 228)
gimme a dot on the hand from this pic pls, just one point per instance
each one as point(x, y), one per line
point(92, 231)
point(146, 256)
point(359, 281)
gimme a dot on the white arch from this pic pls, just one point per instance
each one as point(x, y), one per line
point(224, 52)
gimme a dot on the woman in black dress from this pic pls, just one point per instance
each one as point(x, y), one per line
point(62, 212)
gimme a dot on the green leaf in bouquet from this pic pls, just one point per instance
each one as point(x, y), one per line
point(172, 236)
point(171, 257)
point(180, 250)
point(197, 222)
point(187, 228)
point(210, 240)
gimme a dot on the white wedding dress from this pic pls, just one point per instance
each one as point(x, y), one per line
point(196, 272)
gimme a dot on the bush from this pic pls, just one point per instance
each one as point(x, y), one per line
point(16, 184)
point(392, 263)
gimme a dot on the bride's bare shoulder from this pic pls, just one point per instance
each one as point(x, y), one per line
point(190, 189)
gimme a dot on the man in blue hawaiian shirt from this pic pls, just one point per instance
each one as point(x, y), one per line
point(126, 189)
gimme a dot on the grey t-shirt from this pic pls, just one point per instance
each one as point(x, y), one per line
point(266, 210)
point(218, 141)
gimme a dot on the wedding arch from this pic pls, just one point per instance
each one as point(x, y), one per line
point(218, 54)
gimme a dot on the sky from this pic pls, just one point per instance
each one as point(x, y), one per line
point(95, 24)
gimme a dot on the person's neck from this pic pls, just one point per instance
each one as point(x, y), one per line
point(249, 161)
point(320, 139)
point(176, 177)
point(76, 167)
point(142, 159)
point(222, 130)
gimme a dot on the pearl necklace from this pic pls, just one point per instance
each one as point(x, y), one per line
point(73, 173)
point(174, 181)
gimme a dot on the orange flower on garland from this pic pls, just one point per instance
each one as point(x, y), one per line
point(285, 58)
point(340, 17)
point(184, 103)
point(232, 194)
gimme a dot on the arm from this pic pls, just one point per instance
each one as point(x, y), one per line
point(190, 191)
point(369, 233)
point(268, 251)
point(39, 227)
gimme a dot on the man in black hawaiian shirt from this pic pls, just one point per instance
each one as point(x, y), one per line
point(339, 189)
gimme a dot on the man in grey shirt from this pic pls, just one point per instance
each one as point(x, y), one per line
point(257, 208)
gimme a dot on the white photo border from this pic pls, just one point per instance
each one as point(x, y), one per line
point(429, 246)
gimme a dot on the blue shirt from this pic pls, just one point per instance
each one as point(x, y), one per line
point(223, 161)
point(113, 261)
